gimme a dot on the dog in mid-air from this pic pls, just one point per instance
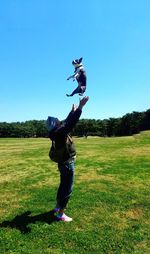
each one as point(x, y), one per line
point(80, 76)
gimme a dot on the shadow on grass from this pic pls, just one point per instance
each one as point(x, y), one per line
point(22, 221)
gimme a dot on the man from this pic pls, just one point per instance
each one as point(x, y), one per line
point(58, 133)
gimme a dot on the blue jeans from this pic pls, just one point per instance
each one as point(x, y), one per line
point(66, 183)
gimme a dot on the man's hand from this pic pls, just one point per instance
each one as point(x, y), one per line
point(74, 107)
point(83, 101)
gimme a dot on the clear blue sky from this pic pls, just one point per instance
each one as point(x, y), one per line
point(39, 40)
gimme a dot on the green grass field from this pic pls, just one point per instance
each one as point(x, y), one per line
point(110, 203)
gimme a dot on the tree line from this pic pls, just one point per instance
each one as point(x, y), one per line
point(129, 124)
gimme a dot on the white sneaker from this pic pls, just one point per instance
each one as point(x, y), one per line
point(64, 217)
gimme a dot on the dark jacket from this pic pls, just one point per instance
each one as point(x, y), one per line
point(59, 134)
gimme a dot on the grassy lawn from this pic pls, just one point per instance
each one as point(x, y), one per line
point(110, 204)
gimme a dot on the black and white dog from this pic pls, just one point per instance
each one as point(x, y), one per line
point(80, 76)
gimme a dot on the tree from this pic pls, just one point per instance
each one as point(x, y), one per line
point(127, 125)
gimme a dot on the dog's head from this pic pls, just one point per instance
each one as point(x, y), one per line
point(76, 63)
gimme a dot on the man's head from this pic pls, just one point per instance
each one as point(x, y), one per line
point(52, 122)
